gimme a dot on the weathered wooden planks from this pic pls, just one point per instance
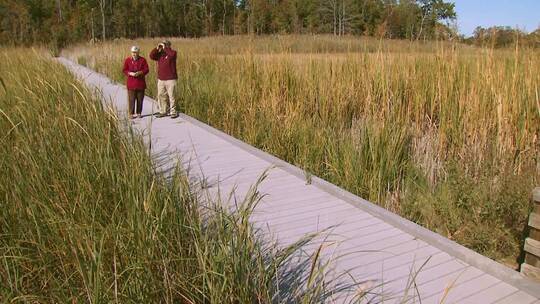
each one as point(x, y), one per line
point(531, 265)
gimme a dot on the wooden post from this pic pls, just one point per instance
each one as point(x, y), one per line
point(531, 266)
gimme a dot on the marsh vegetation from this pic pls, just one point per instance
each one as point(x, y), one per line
point(443, 134)
point(85, 217)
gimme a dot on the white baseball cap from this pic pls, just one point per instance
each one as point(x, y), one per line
point(135, 49)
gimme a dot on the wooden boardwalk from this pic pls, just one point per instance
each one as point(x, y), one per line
point(375, 246)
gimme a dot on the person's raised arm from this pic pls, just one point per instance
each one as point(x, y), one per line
point(154, 54)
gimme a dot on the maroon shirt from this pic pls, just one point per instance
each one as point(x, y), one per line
point(166, 62)
point(131, 65)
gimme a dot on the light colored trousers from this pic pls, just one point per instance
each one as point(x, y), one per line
point(166, 100)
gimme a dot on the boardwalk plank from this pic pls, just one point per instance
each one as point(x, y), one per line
point(308, 214)
point(284, 206)
point(336, 234)
point(398, 256)
point(517, 297)
point(287, 234)
point(431, 279)
point(489, 295)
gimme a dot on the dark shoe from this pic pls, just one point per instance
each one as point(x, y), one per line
point(175, 115)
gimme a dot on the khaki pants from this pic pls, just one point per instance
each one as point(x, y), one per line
point(166, 100)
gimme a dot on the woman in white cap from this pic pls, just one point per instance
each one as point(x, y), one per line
point(135, 69)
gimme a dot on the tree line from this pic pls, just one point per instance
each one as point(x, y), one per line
point(504, 36)
point(64, 21)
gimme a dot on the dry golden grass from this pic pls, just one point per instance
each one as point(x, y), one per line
point(85, 217)
point(443, 134)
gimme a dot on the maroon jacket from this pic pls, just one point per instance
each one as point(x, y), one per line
point(166, 61)
point(130, 65)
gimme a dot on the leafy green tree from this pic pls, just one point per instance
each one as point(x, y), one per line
point(434, 11)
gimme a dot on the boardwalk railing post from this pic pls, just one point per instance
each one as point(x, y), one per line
point(531, 265)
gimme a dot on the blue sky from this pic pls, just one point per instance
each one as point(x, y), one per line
point(524, 14)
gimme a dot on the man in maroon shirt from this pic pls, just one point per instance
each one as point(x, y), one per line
point(167, 77)
point(135, 69)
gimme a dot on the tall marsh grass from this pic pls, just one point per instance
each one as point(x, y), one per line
point(443, 134)
point(84, 217)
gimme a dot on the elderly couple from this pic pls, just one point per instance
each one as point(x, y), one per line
point(136, 68)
